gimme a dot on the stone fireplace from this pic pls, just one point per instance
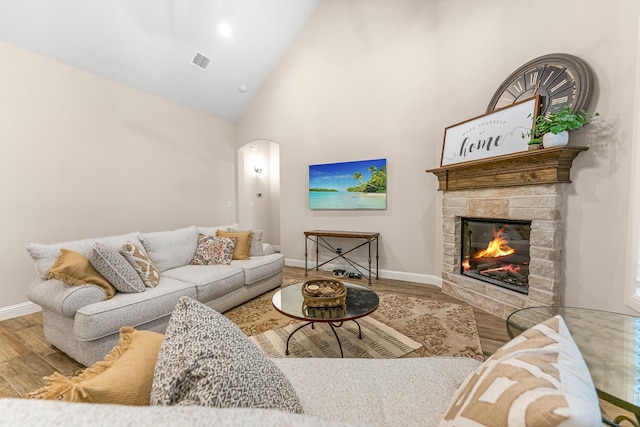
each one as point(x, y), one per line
point(524, 187)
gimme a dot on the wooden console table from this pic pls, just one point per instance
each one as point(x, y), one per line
point(318, 236)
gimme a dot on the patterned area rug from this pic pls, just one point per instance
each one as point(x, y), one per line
point(444, 329)
point(379, 341)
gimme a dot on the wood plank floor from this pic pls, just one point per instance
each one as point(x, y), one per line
point(25, 356)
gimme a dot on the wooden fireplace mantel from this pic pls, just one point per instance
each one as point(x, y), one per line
point(544, 166)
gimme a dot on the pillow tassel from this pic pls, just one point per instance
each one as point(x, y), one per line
point(60, 387)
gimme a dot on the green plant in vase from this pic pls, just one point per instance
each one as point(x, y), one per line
point(553, 129)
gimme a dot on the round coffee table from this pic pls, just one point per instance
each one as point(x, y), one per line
point(361, 301)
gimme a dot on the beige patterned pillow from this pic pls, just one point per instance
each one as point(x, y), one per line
point(213, 250)
point(141, 263)
point(537, 379)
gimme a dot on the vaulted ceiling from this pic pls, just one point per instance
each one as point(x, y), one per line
point(151, 45)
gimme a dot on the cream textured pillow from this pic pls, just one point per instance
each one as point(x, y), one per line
point(213, 250)
point(539, 379)
point(123, 377)
point(75, 269)
point(242, 249)
point(139, 260)
point(115, 268)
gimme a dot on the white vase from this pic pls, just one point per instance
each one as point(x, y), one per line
point(555, 140)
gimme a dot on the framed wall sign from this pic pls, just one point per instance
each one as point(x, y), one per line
point(490, 135)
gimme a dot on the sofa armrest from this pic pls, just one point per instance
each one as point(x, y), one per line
point(63, 298)
point(268, 249)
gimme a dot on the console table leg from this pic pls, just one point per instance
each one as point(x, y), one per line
point(305, 256)
point(369, 247)
point(377, 257)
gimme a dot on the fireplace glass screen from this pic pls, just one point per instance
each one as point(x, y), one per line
point(497, 251)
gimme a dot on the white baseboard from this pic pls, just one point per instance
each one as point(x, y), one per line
point(18, 310)
point(427, 279)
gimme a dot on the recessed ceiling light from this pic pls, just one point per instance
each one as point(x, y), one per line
point(225, 30)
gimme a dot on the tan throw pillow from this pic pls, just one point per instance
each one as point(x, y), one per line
point(137, 257)
point(213, 250)
point(539, 378)
point(256, 241)
point(242, 250)
point(123, 377)
point(75, 269)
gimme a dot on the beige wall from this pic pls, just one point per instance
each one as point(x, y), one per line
point(375, 78)
point(358, 84)
point(82, 157)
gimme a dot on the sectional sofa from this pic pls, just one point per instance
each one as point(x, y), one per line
point(207, 373)
point(83, 319)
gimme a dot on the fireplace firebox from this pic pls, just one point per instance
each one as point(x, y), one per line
point(496, 251)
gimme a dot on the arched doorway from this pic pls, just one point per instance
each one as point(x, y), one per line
point(259, 188)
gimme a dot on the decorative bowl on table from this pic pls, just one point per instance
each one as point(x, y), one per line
point(324, 293)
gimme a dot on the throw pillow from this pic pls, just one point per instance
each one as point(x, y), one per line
point(115, 268)
point(537, 379)
point(139, 260)
point(123, 377)
point(206, 360)
point(242, 249)
point(256, 241)
point(75, 269)
point(213, 250)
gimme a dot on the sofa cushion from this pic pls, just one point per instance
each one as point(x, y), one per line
point(539, 378)
point(75, 269)
point(45, 255)
point(258, 268)
point(137, 257)
point(210, 281)
point(213, 250)
point(115, 268)
point(381, 392)
point(256, 241)
point(211, 230)
point(124, 376)
point(242, 249)
point(170, 249)
point(38, 413)
point(99, 320)
point(206, 360)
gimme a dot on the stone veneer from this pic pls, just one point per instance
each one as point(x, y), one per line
point(541, 204)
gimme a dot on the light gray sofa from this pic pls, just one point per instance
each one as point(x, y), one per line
point(539, 378)
point(80, 322)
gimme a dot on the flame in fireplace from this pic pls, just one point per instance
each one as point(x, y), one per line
point(498, 247)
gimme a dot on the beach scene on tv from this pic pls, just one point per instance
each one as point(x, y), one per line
point(348, 185)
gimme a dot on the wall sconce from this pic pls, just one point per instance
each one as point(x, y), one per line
point(257, 169)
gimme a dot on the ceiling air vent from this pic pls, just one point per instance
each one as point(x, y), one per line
point(201, 61)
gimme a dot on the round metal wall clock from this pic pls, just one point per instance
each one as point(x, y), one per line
point(561, 80)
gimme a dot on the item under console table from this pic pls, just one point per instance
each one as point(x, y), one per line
point(319, 238)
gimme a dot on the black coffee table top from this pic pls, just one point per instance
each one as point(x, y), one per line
point(361, 301)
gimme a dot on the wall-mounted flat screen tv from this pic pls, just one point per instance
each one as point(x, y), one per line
point(349, 185)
